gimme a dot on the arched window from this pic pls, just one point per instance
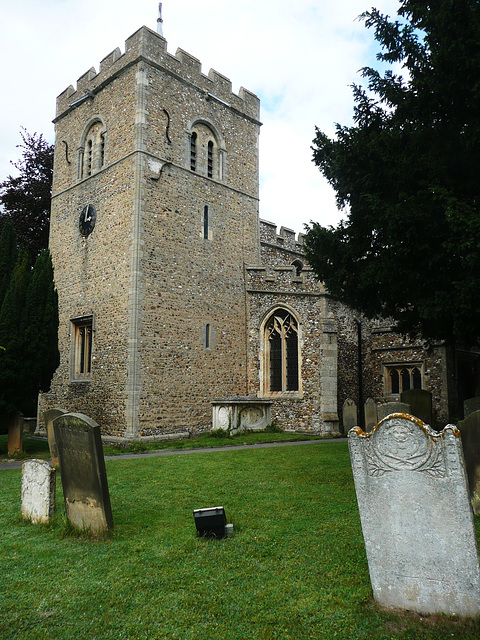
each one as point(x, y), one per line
point(210, 159)
point(92, 150)
point(206, 150)
point(298, 264)
point(281, 349)
point(402, 377)
point(193, 151)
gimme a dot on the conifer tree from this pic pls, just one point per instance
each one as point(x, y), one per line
point(13, 366)
point(40, 323)
point(8, 257)
point(406, 175)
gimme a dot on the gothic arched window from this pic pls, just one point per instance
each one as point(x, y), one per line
point(281, 349)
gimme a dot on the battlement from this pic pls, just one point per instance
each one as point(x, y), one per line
point(283, 278)
point(150, 47)
point(285, 239)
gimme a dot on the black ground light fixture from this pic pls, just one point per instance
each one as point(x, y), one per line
point(211, 522)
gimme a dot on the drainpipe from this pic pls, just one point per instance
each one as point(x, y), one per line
point(361, 410)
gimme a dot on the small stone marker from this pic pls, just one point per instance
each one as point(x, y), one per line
point(416, 517)
point(48, 417)
point(371, 418)
point(470, 430)
point(420, 402)
point(15, 433)
point(471, 405)
point(82, 467)
point(387, 408)
point(38, 490)
point(349, 415)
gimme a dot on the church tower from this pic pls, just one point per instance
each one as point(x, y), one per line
point(154, 216)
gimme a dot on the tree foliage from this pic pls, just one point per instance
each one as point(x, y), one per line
point(28, 328)
point(25, 198)
point(406, 174)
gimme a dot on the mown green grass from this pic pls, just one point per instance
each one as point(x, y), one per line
point(38, 448)
point(295, 567)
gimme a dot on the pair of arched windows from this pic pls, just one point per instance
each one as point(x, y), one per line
point(92, 150)
point(205, 152)
point(281, 353)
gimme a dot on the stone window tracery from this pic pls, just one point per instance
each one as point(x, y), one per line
point(281, 353)
point(402, 377)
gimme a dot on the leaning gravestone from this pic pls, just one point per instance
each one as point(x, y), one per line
point(371, 418)
point(471, 405)
point(470, 429)
point(49, 416)
point(349, 415)
point(420, 402)
point(15, 433)
point(387, 408)
point(416, 517)
point(82, 467)
point(38, 491)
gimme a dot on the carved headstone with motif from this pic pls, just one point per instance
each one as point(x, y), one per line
point(416, 517)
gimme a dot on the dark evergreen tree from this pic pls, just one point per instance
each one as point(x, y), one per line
point(13, 366)
point(406, 174)
point(25, 199)
point(8, 257)
point(40, 326)
point(28, 334)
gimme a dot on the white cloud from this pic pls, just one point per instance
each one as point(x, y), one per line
point(300, 59)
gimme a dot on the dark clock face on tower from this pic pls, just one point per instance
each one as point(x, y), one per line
point(87, 220)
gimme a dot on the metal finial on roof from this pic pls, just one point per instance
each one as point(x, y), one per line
point(159, 20)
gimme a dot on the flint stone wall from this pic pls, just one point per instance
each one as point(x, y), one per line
point(416, 517)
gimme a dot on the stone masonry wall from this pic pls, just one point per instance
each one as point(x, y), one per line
point(146, 274)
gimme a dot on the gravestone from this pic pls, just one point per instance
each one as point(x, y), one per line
point(387, 408)
point(371, 418)
point(15, 433)
point(416, 517)
point(420, 402)
point(82, 468)
point(38, 491)
point(349, 415)
point(471, 405)
point(48, 417)
point(470, 429)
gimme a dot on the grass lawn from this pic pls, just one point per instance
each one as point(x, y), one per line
point(38, 448)
point(295, 567)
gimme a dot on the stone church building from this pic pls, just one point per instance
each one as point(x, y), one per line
point(173, 294)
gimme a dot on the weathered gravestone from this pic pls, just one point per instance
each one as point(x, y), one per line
point(15, 433)
point(371, 418)
point(48, 417)
point(349, 415)
point(420, 402)
point(38, 490)
point(82, 468)
point(416, 517)
point(470, 429)
point(471, 405)
point(387, 408)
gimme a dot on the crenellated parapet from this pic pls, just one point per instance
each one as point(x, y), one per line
point(146, 45)
point(285, 279)
point(284, 239)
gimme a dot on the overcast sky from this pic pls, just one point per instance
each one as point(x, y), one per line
point(299, 56)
